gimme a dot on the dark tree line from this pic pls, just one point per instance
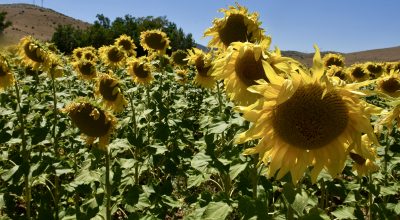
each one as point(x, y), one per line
point(104, 32)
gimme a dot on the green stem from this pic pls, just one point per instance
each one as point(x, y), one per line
point(25, 152)
point(323, 194)
point(370, 196)
point(255, 177)
point(108, 186)
point(219, 98)
point(55, 147)
point(147, 107)
point(135, 130)
point(386, 157)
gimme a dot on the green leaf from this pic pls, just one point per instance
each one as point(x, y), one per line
point(216, 211)
point(200, 162)
point(350, 197)
point(236, 169)
point(315, 214)
point(8, 174)
point(397, 209)
point(300, 202)
point(344, 213)
point(219, 127)
point(196, 180)
point(385, 191)
point(160, 149)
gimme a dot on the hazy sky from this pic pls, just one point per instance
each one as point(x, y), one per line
point(335, 25)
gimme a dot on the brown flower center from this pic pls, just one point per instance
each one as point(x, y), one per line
point(115, 55)
point(357, 158)
point(141, 71)
point(201, 68)
point(375, 69)
point(126, 44)
point(87, 68)
point(92, 126)
point(179, 57)
point(234, 30)
point(155, 41)
point(3, 70)
point(106, 89)
point(334, 61)
point(248, 69)
point(358, 73)
point(33, 52)
point(89, 56)
point(390, 85)
point(308, 121)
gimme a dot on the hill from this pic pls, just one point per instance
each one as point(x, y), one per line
point(41, 23)
point(34, 20)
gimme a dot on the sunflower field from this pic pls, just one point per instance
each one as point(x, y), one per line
point(236, 132)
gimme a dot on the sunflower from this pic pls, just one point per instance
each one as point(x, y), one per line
point(141, 70)
point(336, 71)
point(240, 67)
point(202, 62)
point(90, 54)
point(108, 89)
point(6, 78)
point(126, 43)
point(178, 58)
point(55, 66)
point(86, 69)
point(112, 56)
point(333, 59)
point(33, 53)
point(390, 117)
point(364, 163)
point(181, 76)
point(77, 53)
point(307, 120)
point(357, 73)
point(154, 40)
point(236, 25)
point(375, 70)
point(92, 121)
point(389, 84)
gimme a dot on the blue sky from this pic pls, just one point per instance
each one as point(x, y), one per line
point(336, 25)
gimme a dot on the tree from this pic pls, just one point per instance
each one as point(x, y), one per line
point(103, 32)
point(3, 23)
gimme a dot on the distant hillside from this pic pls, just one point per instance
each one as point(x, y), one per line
point(34, 20)
point(41, 23)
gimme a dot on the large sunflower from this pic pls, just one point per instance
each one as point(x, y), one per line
point(109, 91)
point(389, 84)
point(86, 69)
point(333, 59)
point(92, 121)
point(34, 53)
point(154, 40)
point(112, 56)
point(6, 77)
point(126, 43)
point(202, 62)
point(236, 25)
point(307, 120)
point(141, 70)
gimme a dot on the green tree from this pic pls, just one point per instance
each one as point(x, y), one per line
point(3, 23)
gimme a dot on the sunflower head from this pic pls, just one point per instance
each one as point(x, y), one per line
point(357, 73)
point(126, 43)
point(77, 53)
point(179, 58)
point(34, 53)
point(6, 77)
point(154, 40)
point(375, 70)
point(333, 59)
point(337, 71)
point(389, 84)
point(108, 89)
point(202, 62)
point(240, 67)
point(236, 25)
point(306, 120)
point(112, 55)
point(181, 76)
point(92, 121)
point(141, 70)
point(364, 161)
point(86, 69)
